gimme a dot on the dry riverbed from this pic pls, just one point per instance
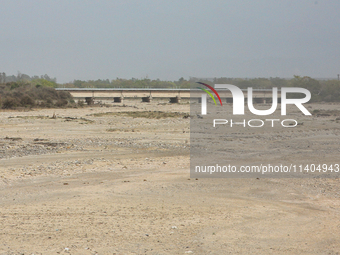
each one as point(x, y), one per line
point(115, 180)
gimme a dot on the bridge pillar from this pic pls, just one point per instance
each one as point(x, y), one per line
point(89, 100)
point(146, 99)
point(259, 100)
point(268, 100)
point(175, 100)
point(118, 99)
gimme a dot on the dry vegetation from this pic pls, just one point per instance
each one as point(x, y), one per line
point(25, 95)
point(145, 114)
point(322, 112)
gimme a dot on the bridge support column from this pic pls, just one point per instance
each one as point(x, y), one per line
point(89, 100)
point(146, 99)
point(175, 100)
point(118, 99)
point(259, 100)
point(229, 100)
point(268, 100)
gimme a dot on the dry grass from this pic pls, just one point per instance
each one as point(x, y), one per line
point(326, 113)
point(83, 120)
point(30, 117)
point(144, 114)
point(119, 130)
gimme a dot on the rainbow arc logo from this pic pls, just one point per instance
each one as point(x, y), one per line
point(208, 92)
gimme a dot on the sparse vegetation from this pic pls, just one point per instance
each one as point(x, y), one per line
point(80, 103)
point(119, 130)
point(81, 119)
point(145, 114)
point(325, 113)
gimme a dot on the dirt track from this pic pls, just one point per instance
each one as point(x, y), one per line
point(109, 184)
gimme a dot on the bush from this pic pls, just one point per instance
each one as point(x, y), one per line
point(9, 103)
point(61, 103)
point(16, 94)
point(81, 103)
point(64, 95)
point(27, 101)
point(14, 85)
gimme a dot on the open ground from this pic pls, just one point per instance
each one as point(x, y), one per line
point(115, 180)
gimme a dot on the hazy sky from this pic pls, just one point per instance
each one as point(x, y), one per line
point(79, 39)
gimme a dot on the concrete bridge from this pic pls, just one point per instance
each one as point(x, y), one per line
point(118, 94)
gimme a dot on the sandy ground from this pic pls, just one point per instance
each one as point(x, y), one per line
point(91, 183)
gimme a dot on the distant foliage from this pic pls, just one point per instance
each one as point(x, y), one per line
point(44, 83)
point(328, 91)
point(20, 77)
point(42, 87)
point(321, 90)
point(132, 83)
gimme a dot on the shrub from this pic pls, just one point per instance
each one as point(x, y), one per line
point(64, 95)
point(26, 100)
point(9, 103)
point(61, 103)
point(16, 94)
point(81, 103)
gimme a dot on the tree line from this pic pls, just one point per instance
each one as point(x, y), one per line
point(321, 90)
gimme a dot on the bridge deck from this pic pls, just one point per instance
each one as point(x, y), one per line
point(155, 93)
